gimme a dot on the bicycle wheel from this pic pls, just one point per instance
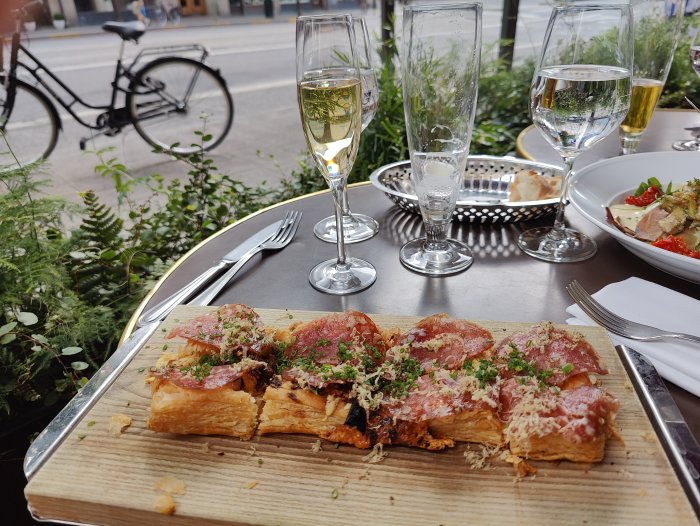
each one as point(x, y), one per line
point(172, 98)
point(30, 127)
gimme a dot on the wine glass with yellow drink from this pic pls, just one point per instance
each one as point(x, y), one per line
point(657, 25)
point(330, 104)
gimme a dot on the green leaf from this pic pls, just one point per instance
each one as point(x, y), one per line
point(41, 338)
point(70, 351)
point(8, 338)
point(27, 318)
point(79, 366)
point(653, 181)
point(7, 327)
point(109, 255)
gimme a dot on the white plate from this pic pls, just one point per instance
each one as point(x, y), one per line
point(601, 184)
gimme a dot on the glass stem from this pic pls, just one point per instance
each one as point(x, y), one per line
point(559, 219)
point(436, 235)
point(345, 204)
point(339, 197)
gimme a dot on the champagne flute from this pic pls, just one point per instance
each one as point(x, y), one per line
point(440, 64)
point(656, 32)
point(692, 145)
point(357, 227)
point(580, 93)
point(330, 104)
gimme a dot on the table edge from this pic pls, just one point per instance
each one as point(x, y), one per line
point(131, 324)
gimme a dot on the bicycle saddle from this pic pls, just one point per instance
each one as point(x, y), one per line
point(126, 30)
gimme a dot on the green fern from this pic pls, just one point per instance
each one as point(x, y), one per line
point(101, 227)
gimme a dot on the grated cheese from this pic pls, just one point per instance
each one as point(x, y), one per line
point(376, 455)
point(479, 460)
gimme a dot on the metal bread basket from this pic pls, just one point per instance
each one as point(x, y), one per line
point(484, 195)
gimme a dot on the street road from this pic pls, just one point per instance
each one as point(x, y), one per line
point(258, 62)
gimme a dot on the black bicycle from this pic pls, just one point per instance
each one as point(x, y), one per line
point(167, 99)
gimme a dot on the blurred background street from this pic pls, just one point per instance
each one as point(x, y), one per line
point(256, 57)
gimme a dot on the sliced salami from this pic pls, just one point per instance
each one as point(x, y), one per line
point(340, 337)
point(235, 330)
point(442, 342)
point(553, 355)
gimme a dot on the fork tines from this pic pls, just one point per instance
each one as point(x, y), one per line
point(595, 310)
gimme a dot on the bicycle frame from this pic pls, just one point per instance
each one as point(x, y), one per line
point(116, 117)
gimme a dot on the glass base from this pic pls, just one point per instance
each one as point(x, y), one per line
point(557, 246)
point(629, 142)
point(692, 145)
point(356, 228)
point(331, 278)
point(456, 257)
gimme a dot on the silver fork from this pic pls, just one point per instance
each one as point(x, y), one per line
point(280, 239)
point(616, 324)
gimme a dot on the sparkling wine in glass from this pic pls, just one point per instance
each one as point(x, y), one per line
point(692, 145)
point(440, 65)
point(656, 33)
point(580, 93)
point(357, 227)
point(330, 103)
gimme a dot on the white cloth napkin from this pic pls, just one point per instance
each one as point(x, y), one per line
point(677, 361)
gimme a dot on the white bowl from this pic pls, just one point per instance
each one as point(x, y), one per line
point(604, 183)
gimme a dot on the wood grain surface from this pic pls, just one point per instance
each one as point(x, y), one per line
point(95, 477)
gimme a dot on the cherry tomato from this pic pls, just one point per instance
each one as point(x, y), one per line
point(648, 197)
point(677, 245)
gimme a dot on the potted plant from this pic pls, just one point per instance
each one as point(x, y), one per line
point(59, 21)
point(29, 24)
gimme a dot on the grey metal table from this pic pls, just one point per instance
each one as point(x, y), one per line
point(502, 284)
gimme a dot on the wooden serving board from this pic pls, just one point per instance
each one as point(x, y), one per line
point(95, 477)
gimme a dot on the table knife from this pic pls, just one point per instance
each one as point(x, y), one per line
point(162, 309)
point(679, 443)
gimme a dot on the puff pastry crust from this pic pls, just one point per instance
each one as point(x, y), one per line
point(342, 378)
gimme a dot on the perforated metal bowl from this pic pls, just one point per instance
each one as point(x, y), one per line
point(484, 196)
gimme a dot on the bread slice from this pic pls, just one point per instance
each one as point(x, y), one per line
point(528, 185)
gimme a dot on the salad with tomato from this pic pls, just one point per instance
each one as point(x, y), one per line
point(665, 217)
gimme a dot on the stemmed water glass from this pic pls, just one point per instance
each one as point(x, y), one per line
point(440, 66)
point(330, 104)
point(692, 145)
point(580, 93)
point(356, 227)
point(656, 32)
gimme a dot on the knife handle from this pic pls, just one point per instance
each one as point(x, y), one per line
point(208, 295)
point(161, 310)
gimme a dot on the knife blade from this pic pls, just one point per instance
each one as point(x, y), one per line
point(162, 309)
point(57, 430)
point(679, 443)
